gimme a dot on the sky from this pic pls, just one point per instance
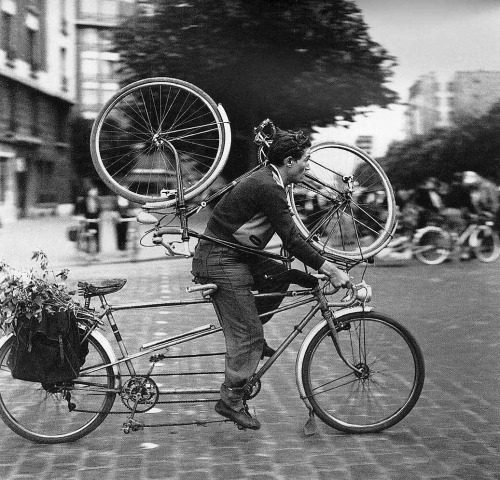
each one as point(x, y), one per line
point(440, 36)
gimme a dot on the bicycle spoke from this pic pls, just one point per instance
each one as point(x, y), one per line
point(385, 385)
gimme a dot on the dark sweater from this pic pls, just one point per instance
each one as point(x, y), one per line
point(255, 209)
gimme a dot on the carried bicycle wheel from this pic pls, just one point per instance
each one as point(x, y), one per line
point(42, 413)
point(485, 243)
point(390, 382)
point(133, 134)
point(345, 207)
point(432, 245)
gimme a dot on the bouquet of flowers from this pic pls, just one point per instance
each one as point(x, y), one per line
point(26, 294)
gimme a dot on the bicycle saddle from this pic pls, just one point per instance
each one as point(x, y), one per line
point(100, 287)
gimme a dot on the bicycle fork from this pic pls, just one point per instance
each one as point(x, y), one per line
point(333, 324)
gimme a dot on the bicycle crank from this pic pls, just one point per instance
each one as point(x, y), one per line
point(140, 394)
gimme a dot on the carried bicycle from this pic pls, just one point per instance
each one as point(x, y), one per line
point(357, 370)
point(161, 142)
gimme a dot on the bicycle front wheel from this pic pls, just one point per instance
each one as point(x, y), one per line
point(131, 138)
point(432, 245)
point(42, 413)
point(388, 385)
point(485, 244)
point(345, 207)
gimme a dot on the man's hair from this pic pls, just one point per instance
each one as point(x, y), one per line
point(287, 144)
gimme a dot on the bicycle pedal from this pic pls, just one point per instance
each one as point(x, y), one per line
point(132, 426)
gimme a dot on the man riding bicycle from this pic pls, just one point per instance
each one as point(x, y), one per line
point(249, 215)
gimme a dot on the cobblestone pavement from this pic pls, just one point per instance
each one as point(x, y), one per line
point(453, 432)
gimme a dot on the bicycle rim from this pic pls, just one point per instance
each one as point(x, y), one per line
point(433, 246)
point(345, 207)
point(487, 244)
point(42, 415)
point(387, 389)
point(131, 136)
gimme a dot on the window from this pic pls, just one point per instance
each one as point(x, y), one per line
point(62, 66)
point(32, 56)
point(35, 114)
point(90, 68)
point(90, 97)
point(7, 35)
point(109, 8)
point(89, 38)
point(45, 173)
point(11, 106)
point(3, 179)
point(33, 40)
point(89, 7)
point(63, 18)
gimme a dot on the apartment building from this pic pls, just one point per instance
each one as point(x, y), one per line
point(37, 91)
point(433, 104)
point(56, 62)
point(472, 94)
point(96, 75)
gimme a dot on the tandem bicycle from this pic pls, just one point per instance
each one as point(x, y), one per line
point(161, 142)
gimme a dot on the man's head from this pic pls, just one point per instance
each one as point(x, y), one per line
point(286, 145)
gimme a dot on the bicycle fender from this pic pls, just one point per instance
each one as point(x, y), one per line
point(109, 350)
point(302, 350)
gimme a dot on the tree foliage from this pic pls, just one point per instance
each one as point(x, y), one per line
point(299, 63)
point(472, 145)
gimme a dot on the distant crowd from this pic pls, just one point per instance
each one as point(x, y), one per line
point(448, 204)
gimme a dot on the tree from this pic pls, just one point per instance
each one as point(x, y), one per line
point(298, 63)
point(472, 145)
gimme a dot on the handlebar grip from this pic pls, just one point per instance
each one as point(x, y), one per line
point(201, 287)
point(168, 231)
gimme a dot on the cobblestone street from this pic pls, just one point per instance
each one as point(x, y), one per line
point(453, 432)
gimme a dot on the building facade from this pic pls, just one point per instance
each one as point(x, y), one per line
point(96, 73)
point(425, 106)
point(472, 94)
point(56, 62)
point(37, 91)
point(433, 104)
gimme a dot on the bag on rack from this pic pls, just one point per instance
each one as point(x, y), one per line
point(48, 351)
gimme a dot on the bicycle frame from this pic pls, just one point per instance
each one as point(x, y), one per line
point(462, 238)
point(126, 359)
point(183, 212)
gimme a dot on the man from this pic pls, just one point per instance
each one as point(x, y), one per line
point(249, 215)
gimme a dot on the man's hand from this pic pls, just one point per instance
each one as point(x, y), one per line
point(337, 277)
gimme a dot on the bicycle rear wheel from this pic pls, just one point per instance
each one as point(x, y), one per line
point(42, 414)
point(131, 136)
point(345, 207)
point(485, 244)
point(383, 394)
point(432, 245)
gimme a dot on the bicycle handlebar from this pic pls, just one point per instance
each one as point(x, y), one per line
point(261, 136)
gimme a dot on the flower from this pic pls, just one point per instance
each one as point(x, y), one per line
point(25, 294)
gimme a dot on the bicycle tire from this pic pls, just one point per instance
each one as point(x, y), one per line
point(432, 245)
point(43, 416)
point(384, 394)
point(486, 244)
point(345, 207)
point(131, 135)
